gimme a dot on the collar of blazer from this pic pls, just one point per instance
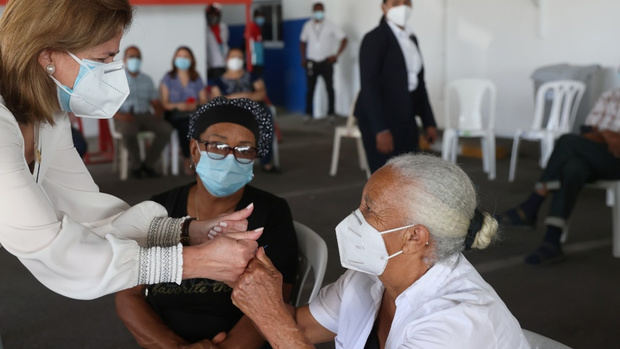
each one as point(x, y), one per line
point(385, 27)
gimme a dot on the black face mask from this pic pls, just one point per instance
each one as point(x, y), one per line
point(213, 19)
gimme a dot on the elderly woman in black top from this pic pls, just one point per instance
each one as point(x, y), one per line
point(227, 135)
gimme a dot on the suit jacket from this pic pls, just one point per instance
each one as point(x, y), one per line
point(385, 102)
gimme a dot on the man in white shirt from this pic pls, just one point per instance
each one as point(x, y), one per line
point(319, 51)
point(141, 111)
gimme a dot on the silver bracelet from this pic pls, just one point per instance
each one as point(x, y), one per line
point(160, 264)
point(165, 231)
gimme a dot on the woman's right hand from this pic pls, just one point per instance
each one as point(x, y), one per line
point(202, 231)
point(223, 258)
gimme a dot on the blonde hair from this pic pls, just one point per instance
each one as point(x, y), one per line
point(440, 196)
point(28, 27)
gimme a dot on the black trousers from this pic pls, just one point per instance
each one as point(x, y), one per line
point(574, 162)
point(313, 71)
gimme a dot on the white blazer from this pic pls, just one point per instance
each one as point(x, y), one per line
point(75, 240)
point(450, 306)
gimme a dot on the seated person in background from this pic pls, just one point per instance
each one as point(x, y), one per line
point(575, 161)
point(141, 112)
point(408, 285)
point(182, 90)
point(238, 83)
point(227, 135)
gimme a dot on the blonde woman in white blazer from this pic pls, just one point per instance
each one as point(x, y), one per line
point(55, 57)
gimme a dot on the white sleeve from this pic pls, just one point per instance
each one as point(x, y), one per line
point(62, 252)
point(305, 33)
point(325, 308)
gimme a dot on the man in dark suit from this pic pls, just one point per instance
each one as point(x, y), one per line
point(393, 89)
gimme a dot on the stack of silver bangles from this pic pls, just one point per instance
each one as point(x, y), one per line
point(162, 259)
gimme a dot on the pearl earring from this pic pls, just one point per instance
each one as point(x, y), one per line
point(50, 69)
point(426, 243)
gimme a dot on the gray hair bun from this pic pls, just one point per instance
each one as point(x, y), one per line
point(487, 232)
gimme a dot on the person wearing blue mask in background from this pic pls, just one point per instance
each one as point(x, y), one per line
point(257, 49)
point(141, 111)
point(227, 135)
point(181, 91)
point(319, 52)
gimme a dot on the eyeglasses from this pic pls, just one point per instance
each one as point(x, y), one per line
point(244, 154)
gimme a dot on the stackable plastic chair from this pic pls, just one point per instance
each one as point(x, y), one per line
point(350, 130)
point(565, 98)
point(121, 156)
point(313, 249)
point(470, 124)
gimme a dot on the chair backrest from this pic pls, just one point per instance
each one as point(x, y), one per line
point(351, 121)
point(470, 94)
point(314, 250)
point(538, 341)
point(565, 96)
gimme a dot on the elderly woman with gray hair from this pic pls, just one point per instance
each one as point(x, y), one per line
point(408, 285)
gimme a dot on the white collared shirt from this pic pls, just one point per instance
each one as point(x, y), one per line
point(450, 306)
point(411, 54)
point(322, 39)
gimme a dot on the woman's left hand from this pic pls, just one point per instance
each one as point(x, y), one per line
point(201, 231)
point(258, 291)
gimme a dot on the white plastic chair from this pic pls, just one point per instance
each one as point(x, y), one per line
point(121, 156)
point(538, 341)
point(349, 131)
point(565, 96)
point(471, 93)
point(613, 201)
point(314, 250)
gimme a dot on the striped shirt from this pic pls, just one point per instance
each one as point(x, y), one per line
point(606, 112)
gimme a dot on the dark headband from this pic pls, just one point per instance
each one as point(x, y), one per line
point(241, 111)
point(474, 227)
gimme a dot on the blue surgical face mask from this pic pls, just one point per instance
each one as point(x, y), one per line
point(318, 15)
point(260, 21)
point(223, 177)
point(134, 64)
point(182, 63)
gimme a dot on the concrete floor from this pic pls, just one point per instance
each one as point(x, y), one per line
point(575, 302)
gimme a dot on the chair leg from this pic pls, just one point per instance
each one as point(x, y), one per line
point(455, 147)
point(362, 157)
point(491, 157)
point(165, 160)
point(446, 144)
point(174, 153)
point(513, 158)
point(616, 220)
point(484, 146)
point(335, 154)
point(276, 152)
point(124, 163)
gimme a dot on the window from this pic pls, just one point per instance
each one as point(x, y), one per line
point(272, 30)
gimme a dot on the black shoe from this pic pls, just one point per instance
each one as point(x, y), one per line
point(515, 217)
point(547, 253)
point(149, 172)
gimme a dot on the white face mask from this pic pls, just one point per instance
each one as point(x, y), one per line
point(98, 92)
point(234, 63)
point(361, 246)
point(399, 15)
